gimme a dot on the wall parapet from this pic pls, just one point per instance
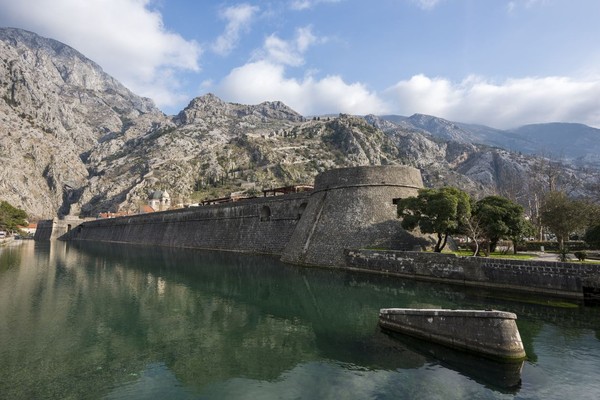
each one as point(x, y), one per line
point(545, 277)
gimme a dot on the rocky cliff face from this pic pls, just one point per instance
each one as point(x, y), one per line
point(55, 105)
point(74, 140)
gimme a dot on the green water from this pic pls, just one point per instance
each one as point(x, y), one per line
point(129, 322)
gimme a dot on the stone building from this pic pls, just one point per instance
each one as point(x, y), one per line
point(159, 200)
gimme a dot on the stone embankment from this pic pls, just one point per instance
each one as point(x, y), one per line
point(545, 277)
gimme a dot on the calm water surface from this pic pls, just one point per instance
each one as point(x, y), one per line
point(127, 322)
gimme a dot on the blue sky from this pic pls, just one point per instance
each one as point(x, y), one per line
point(501, 63)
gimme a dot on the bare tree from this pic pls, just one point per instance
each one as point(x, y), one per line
point(474, 231)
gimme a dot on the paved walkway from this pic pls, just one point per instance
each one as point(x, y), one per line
point(543, 256)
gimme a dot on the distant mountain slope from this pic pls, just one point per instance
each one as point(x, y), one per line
point(576, 142)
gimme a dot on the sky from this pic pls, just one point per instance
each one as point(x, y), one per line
point(501, 63)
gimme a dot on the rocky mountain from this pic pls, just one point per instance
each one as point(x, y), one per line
point(55, 106)
point(74, 140)
point(577, 144)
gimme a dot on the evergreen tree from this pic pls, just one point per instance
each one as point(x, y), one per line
point(500, 218)
point(442, 212)
point(11, 217)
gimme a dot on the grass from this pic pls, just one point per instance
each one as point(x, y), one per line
point(523, 256)
point(588, 261)
point(519, 256)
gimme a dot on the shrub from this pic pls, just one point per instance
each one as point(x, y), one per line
point(581, 255)
point(563, 254)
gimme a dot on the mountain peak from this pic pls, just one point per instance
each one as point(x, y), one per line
point(47, 62)
point(277, 110)
point(209, 105)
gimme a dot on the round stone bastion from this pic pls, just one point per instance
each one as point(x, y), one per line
point(353, 208)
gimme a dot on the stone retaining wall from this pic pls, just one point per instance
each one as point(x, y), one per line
point(556, 278)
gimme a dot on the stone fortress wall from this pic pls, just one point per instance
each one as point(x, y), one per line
point(55, 228)
point(349, 208)
point(353, 208)
point(261, 225)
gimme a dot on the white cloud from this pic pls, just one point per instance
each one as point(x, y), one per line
point(264, 79)
point(281, 52)
point(508, 104)
point(261, 81)
point(426, 4)
point(527, 4)
point(306, 4)
point(291, 52)
point(238, 19)
point(127, 38)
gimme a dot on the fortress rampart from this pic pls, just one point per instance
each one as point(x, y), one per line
point(349, 208)
point(353, 208)
point(55, 228)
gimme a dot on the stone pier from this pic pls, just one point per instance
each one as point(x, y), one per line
point(490, 333)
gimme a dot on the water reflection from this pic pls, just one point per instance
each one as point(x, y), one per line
point(87, 321)
point(501, 376)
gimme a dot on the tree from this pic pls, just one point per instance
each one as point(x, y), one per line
point(474, 231)
point(11, 217)
point(547, 175)
point(563, 215)
point(592, 236)
point(437, 211)
point(523, 229)
point(500, 218)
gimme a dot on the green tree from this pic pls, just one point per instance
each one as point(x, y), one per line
point(563, 215)
point(592, 236)
point(523, 229)
point(11, 217)
point(436, 211)
point(500, 218)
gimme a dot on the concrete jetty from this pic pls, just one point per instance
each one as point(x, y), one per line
point(490, 333)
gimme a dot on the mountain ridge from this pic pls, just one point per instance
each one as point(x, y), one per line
point(553, 139)
point(78, 142)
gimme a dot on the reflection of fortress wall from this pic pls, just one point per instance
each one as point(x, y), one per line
point(262, 225)
point(353, 208)
point(44, 229)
